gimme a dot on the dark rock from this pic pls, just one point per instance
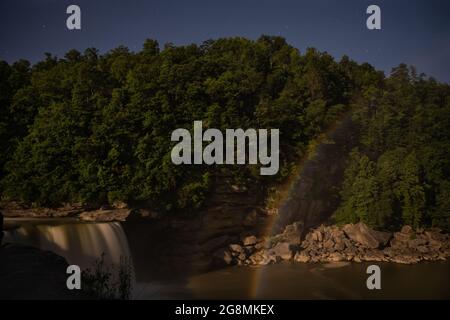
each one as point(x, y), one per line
point(328, 244)
point(1, 227)
point(215, 243)
point(31, 273)
point(223, 256)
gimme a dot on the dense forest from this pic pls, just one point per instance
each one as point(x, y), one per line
point(94, 129)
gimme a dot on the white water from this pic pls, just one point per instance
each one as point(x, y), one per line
point(79, 243)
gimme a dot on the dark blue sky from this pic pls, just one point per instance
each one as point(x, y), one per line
point(414, 32)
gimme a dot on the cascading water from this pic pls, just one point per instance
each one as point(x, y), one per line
point(80, 243)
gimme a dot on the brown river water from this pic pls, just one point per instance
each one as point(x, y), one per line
point(83, 243)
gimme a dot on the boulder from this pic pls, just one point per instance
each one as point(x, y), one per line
point(339, 246)
point(317, 236)
point(374, 255)
point(415, 243)
point(423, 249)
point(435, 244)
point(292, 233)
point(242, 257)
point(336, 234)
point(260, 258)
point(119, 205)
point(236, 248)
point(328, 244)
point(406, 229)
point(365, 236)
point(336, 257)
point(282, 250)
point(259, 245)
point(301, 257)
point(250, 241)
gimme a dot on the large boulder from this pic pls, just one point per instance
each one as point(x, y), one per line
point(249, 240)
point(282, 250)
point(366, 236)
point(260, 258)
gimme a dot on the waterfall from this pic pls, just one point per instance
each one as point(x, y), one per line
point(79, 243)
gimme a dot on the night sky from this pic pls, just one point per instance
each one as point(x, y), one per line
point(414, 32)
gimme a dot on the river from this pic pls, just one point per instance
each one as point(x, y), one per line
point(83, 243)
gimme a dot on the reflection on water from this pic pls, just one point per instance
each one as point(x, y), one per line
point(83, 243)
point(324, 281)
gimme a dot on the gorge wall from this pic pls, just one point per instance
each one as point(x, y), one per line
point(314, 195)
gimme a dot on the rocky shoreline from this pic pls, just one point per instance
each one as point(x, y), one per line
point(116, 212)
point(351, 242)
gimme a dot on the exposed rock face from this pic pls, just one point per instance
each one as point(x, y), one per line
point(314, 195)
point(103, 215)
point(196, 242)
point(281, 250)
point(365, 236)
point(14, 210)
point(408, 246)
point(347, 243)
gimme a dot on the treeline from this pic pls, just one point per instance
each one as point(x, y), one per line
point(400, 174)
point(94, 129)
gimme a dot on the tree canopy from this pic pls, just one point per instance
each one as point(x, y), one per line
point(95, 128)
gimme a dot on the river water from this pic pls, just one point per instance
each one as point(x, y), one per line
point(83, 243)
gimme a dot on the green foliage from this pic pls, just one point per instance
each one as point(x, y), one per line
point(401, 174)
point(94, 128)
point(105, 282)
